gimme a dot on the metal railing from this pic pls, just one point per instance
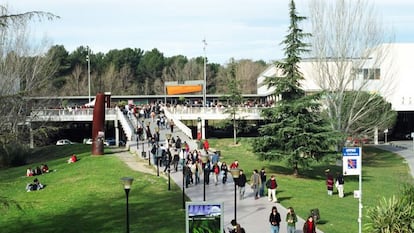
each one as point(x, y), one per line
point(184, 112)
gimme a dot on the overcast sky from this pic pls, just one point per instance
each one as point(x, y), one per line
point(240, 29)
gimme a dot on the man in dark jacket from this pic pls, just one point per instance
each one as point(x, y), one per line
point(241, 182)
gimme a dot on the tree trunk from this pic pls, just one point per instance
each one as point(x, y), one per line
point(234, 132)
point(295, 170)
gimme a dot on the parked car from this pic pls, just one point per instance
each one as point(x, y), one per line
point(88, 141)
point(106, 142)
point(62, 142)
point(112, 142)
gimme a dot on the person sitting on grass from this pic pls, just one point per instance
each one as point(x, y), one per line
point(36, 185)
point(29, 172)
point(38, 171)
point(45, 168)
point(73, 159)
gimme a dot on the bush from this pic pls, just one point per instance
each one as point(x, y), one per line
point(393, 215)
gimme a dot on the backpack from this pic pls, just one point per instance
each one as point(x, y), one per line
point(177, 144)
point(153, 150)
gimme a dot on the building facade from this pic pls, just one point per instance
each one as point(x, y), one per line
point(388, 71)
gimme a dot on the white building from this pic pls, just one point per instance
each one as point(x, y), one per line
point(389, 71)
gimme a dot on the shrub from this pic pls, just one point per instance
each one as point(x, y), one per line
point(393, 215)
point(13, 154)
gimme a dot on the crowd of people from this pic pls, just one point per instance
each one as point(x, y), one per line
point(204, 165)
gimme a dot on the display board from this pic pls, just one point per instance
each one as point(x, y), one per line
point(204, 217)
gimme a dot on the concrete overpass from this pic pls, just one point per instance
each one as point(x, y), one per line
point(130, 123)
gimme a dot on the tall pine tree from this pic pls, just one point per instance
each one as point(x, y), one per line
point(295, 131)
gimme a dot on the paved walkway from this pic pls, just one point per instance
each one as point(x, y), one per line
point(252, 214)
point(403, 148)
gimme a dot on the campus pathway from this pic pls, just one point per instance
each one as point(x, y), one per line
point(403, 148)
point(251, 214)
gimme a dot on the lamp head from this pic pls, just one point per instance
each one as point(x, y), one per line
point(127, 181)
point(235, 172)
point(204, 158)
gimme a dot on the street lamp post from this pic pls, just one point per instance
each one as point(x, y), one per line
point(127, 181)
point(204, 159)
point(143, 154)
point(149, 156)
point(89, 73)
point(169, 178)
point(205, 75)
point(235, 172)
point(158, 164)
point(137, 142)
point(183, 188)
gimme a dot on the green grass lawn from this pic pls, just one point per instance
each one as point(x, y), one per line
point(88, 196)
point(384, 173)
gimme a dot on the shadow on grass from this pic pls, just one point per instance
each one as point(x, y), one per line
point(322, 222)
point(372, 157)
point(98, 213)
point(44, 154)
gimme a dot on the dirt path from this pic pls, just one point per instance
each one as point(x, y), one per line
point(135, 162)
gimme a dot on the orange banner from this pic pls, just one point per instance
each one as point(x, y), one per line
point(182, 89)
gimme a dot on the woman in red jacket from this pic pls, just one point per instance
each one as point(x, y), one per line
point(309, 226)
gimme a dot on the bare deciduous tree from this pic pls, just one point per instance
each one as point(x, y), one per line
point(248, 71)
point(25, 70)
point(348, 50)
point(73, 85)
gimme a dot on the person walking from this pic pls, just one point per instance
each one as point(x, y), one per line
point(234, 164)
point(236, 227)
point(271, 185)
point(340, 184)
point(206, 146)
point(176, 158)
point(291, 220)
point(274, 220)
point(263, 179)
point(207, 170)
point(224, 170)
point(187, 174)
point(216, 171)
point(329, 182)
point(168, 161)
point(255, 182)
point(309, 226)
point(172, 126)
point(241, 182)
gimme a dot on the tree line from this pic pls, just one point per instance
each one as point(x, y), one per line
point(133, 71)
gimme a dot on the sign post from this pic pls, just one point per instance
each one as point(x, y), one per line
point(352, 165)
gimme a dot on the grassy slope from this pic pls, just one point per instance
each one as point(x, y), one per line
point(87, 196)
point(384, 174)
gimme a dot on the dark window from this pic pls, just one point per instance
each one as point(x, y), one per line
point(371, 73)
